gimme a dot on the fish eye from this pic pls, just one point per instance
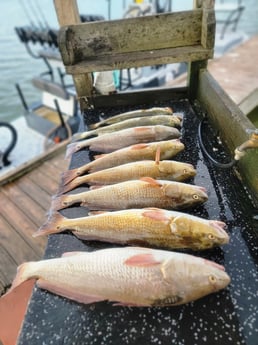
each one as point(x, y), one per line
point(211, 237)
point(195, 196)
point(212, 279)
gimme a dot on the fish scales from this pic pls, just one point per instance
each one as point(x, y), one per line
point(148, 226)
point(145, 192)
point(113, 141)
point(131, 276)
point(168, 149)
point(166, 169)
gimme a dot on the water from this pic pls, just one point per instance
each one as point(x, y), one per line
point(17, 66)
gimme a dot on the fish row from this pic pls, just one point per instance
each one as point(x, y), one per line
point(144, 190)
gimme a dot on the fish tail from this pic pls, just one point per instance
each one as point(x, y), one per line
point(79, 136)
point(68, 176)
point(51, 226)
point(59, 202)
point(23, 274)
point(64, 188)
point(72, 148)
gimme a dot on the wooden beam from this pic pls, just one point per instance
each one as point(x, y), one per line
point(67, 14)
point(233, 127)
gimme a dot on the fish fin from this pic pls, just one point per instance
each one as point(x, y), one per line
point(68, 254)
point(139, 146)
point(97, 186)
point(72, 148)
point(23, 274)
point(156, 214)
point(100, 155)
point(66, 187)
point(52, 225)
point(142, 260)
point(141, 129)
point(157, 157)
point(151, 181)
point(124, 304)
point(94, 213)
point(68, 292)
point(78, 136)
point(69, 175)
point(58, 203)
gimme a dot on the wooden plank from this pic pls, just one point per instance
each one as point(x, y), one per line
point(51, 170)
point(46, 183)
point(15, 245)
point(19, 221)
point(140, 59)
point(35, 192)
point(27, 205)
point(7, 269)
point(91, 41)
point(208, 24)
point(233, 127)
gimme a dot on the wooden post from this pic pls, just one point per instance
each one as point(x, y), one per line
point(207, 41)
point(67, 14)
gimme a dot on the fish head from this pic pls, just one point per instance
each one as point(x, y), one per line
point(185, 195)
point(175, 121)
point(179, 171)
point(173, 146)
point(194, 277)
point(198, 233)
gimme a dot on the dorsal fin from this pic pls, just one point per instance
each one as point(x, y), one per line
point(139, 146)
point(157, 157)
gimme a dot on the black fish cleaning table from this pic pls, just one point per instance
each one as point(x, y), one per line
point(227, 317)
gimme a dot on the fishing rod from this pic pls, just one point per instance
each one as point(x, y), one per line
point(34, 12)
point(42, 14)
point(25, 10)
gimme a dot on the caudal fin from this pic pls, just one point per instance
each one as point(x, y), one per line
point(23, 273)
point(72, 148)
point(59, 202)
point(67, 187)
point(68, 176)
point(52, 226)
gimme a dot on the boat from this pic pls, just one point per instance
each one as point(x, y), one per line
point(216, 318)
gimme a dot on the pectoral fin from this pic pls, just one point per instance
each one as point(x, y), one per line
point(144, 260)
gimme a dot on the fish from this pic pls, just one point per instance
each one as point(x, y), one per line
point(110, 142)
point(134, 113)
point(166, 120)
point(128, 276)
point(163, 170)
point(145, 192)
point(146, 227)
point(133, 153)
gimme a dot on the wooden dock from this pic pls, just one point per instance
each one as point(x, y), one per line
point(24, 204)
point(236, 71)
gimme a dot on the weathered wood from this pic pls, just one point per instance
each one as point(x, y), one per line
point(28, 206)
point(208, 25)
point(140, 59)
point(193, 77)
point(233, 126)
point(91, 41)
point(67, 13)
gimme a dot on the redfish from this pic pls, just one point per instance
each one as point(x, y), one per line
point(147, 226)
point(133, 113)
point(145, 192)
point(166, 120)
point(114, 141)
point(163, 170)
point(168, 149)
point(129, 276)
